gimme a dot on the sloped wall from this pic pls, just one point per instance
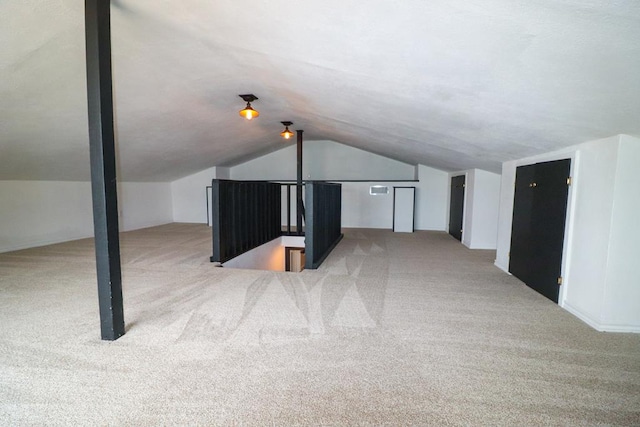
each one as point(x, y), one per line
point(36, 213)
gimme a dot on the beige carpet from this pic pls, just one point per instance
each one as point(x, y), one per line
point(392, 330)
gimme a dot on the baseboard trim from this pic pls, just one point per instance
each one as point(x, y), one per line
point(628, 329)
point(501, 267)
point(582, 316)
point(602, 327)
point(36, 243)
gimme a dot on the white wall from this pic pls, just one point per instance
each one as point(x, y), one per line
point(36, 213)
point(601, 284)
point(360, 209)
point(323, 160)
point(189, 196)
point(223, 172)
point(585, 266)
point(328, 160)
point(331, 160)
point(280, 165)
point(485, 188)
point(363, 210)
point(432, 199)
point(505, 212)
point(481, 208)
point(621, 302)
point(144, 204)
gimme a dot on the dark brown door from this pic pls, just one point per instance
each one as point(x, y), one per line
point(520, 255)
point(456, 207)
point(539, 216)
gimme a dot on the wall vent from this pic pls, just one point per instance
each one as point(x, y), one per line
point(376, 190)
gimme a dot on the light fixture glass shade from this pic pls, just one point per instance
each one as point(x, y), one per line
point(248, 112)
point(286, 133)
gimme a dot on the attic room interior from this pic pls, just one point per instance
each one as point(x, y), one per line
point(505, 135)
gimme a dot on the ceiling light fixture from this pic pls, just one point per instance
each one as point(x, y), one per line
point(286, 133)
point(248, 112)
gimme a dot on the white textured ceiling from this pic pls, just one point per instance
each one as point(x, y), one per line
point(452, 84)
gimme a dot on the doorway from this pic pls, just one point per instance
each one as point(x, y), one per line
point(456, 207)
point(404, 200)
point(537, 231)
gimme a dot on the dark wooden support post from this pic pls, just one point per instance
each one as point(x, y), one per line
point(216, 227)
point(103, 167)
point(288, 209)
point(299, 201)
point(309, 236)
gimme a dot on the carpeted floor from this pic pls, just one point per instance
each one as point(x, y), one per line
point(393, 329)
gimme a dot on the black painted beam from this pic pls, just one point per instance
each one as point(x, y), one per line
point(299, 201)
point(216, 227)
point(103, 168)
point(288, 209)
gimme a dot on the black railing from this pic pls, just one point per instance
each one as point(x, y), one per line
point(291, 202)
point(245, 215)
point(323, 203)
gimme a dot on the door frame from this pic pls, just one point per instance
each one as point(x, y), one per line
point(413, 214)
point(464, 204)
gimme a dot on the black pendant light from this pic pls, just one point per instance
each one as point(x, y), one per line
point(286, 133)
point(248, 112)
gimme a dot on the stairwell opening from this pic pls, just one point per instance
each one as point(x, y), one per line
point(285, 253)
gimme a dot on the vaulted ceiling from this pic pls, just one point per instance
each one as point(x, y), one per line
point(452, 84)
